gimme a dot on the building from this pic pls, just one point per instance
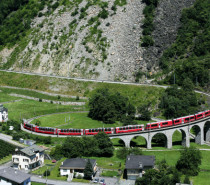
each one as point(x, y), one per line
point(76, 166)
point(137, 164)
point(3, 114)
point(9, 176)
point(28, 158)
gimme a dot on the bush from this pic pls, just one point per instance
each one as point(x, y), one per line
point(147, 41)
point(103, 14)
point(46, 173)
point(77, 98)
point(40, 100)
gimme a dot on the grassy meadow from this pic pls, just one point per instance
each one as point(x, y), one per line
point(75, 120)
point(137, 94)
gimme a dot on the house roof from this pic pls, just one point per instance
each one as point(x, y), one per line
point(76, 163)
point(31, 150)
point(139, 161)
point(14, 175)
point(2, 109)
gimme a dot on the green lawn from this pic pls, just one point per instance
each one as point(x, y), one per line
point(112, 163)
point(36, 183)
point(30, 108)
point(77, 120)
point(80, 180)
point(108, 173)
point(6, 159)
point(5, 97)
point(54, 170)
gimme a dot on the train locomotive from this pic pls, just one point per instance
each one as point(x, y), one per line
point(117, 130)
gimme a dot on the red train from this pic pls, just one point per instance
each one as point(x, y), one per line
point(117, 130)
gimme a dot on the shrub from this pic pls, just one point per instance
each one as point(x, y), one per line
point(46, 173)
point(147, 41)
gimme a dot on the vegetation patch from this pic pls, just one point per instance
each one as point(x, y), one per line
point(5, 149)
point(148, 25)
point(189, 55)
point(107, 173)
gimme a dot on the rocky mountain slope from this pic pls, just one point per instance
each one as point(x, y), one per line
point(95, 39)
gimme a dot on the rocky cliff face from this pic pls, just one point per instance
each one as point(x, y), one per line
point(105, 48)
point(167, 22)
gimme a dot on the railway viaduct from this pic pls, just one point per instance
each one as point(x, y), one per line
point(202, 134)
point(169, 131)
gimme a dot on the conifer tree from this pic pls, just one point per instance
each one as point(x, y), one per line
point(88, 172)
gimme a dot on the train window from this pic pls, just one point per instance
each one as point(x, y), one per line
point(89, 130)
point(155, 125)
point(187, 119)
point(199, 115)
point(105, 129)
point(109, 129)
point(165, 123)
point(177, 121)
point(206, 113)
point(192, 117)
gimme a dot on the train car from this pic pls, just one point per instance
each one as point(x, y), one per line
point(47, 130)
point(94, 131)
point(177, 121)
point(189, 118)
point(150, 126)
point(166, 123)
point(72, 132)
point(129, 128)
point(30, 127)
point(207, 113)
point(199, 115)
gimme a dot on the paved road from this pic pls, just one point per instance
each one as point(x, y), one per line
point(9, 140)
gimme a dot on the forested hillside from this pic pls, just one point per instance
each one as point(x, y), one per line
point(189, 55)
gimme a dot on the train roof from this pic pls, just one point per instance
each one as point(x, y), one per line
point(152, 123)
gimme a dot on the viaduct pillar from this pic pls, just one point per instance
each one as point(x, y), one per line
point(208, 133)
point(185, 138)
point(199, 138)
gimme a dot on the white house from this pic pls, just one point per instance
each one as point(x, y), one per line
point(136, 165)
point(76, 166)
point(3, 114)
point(9, 176)
point(28, 158)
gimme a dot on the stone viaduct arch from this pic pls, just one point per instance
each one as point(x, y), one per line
point(168, 132)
